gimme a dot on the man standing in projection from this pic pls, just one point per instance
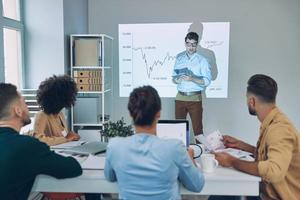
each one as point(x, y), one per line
point(208, 54)
point(192, 74)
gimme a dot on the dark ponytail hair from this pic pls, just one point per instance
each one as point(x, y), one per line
point(144, 103)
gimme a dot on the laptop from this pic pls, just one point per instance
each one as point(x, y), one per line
point(88, 148)
point(175, 129)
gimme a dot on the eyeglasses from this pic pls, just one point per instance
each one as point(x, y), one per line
point(191, 44)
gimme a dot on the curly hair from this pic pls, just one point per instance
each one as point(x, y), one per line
point(144, 103)
point(56, 93)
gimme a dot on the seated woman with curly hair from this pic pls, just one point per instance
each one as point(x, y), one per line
point(54, 94)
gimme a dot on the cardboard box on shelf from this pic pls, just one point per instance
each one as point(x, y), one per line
point(87, 52)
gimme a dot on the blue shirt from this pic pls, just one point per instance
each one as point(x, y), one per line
point(147, 167)
point(198, 65)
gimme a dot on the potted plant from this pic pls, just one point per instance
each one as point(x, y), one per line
point(114, 129)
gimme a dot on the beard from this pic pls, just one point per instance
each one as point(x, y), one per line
point(251, 111)
point(26, 120)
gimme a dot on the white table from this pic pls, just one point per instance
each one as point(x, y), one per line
point(223, 181)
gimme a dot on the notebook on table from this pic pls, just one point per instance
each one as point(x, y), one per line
point(88, 148)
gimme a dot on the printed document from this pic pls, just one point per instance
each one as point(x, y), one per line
point(213, 142)
point(93, 162)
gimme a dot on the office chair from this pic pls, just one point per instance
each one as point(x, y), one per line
point(62, 196)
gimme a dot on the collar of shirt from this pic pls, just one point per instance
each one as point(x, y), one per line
point(268, 120)
point(6, 129)
point(190, 57)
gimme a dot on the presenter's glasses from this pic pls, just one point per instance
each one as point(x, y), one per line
point(189, 44)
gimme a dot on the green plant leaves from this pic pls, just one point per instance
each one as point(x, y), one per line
point(118, 128)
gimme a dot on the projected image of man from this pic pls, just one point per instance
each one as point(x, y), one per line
point(192, 74)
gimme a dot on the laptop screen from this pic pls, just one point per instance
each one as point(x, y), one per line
point(175, 129)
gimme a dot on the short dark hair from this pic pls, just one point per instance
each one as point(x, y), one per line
point(8, 94)
point(263, 87)
point(144, 103)
point(56, 93)
point(192, 36)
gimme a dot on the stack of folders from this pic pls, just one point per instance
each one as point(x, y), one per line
point(88, 80)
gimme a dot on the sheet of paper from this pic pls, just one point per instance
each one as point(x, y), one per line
point(238, 153)
point(215, 140)
point(68, 145)
point(93, 162)
point(212, 141)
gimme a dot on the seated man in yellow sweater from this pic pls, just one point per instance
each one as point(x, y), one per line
point(277, 153)
point(54, 94)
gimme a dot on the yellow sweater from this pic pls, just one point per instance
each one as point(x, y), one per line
point(50, 128)
point(278, 153)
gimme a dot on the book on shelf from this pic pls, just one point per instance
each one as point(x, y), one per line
point(89, 87)
point(97, 80)
point(87, 73)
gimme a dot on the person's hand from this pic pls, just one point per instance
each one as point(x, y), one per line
point(186, 77)
point(177, 80)
point(231, 142)
point(72, 136)
point(191, 154)
point(225, 159)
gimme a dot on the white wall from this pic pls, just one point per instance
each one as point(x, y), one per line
point(264, 38)
point(48, 24)
point(44, 41)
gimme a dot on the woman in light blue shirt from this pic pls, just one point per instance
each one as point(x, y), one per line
point(145, 166)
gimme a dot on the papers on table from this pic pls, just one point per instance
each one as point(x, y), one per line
point(86, 162)
point(213, 142)
point(68, 145)
point(93, 162)
point(94, 148)
point(237, 153)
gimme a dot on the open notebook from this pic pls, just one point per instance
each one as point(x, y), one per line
point(88, 148)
